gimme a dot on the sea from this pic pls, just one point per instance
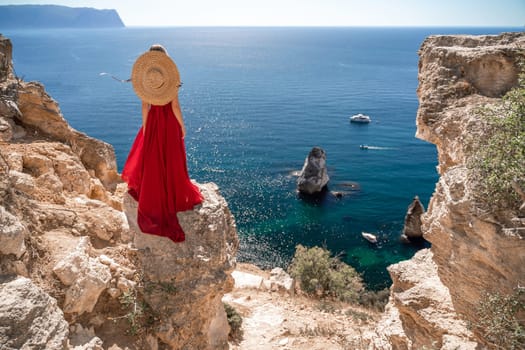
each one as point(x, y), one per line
point(255, 101)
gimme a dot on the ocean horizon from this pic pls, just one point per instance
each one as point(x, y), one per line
point(255, 101)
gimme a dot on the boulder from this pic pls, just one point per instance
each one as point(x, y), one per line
point(245, 280)
point(104, 222)
point(12, 234)
point(84, 338)
point(187, 280)
point(422, 306)
point(314, 176)
point(86, 277)
point(280, 280)
point(29, 317)
point(412, 229)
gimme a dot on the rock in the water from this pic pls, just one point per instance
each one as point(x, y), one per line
point(412, 229)
point(188, 279)
point(314, 176)
point(30, 318)
point(370, 237)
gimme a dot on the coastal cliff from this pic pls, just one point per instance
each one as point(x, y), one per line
point(75, 271)
point(54, 16)
point(435, 295)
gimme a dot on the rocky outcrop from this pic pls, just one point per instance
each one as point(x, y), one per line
point(54, 180)
point(6, 54)
point(38, 111)
point(86, 277)
point(62, 226)
point(412, 228)
point(187, 280)
point(471, 253)
point(314, 176)
point(424, 306)
point(29, 317)
point(12, 234)
point(53, 16)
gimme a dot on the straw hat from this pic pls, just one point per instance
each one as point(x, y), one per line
point(155, 78)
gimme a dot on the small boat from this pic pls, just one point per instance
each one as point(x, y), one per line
point(369, 237)
point(360, 118)
point(363, 146)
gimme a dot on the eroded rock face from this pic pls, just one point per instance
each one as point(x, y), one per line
point(314, 176)
point(6, 55)
point(85, 277)
point(457, 75)
point(41, 112)
point(424, 306)
point(194, 274)
point(62, 226)
point(12, 234)
point(470, 254)
point(29, 317)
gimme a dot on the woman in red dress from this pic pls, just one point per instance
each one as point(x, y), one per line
point(156, 170)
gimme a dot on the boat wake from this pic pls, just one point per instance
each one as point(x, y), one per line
point(366, 147)
point(380, 148)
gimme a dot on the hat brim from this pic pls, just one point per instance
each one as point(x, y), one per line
point(155, 78)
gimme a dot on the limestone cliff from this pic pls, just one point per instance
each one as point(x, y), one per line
point(434, 295)
point(55, 16)
point(72, 270)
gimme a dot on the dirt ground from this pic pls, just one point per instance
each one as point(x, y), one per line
point(280, 320)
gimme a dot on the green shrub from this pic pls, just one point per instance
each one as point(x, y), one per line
point(135, 311)
point(499, 321)
point(322, 275)
point(498, 154)
point(235, 322)
point(375, 300)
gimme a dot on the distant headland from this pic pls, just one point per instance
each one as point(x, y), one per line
point(53, 16)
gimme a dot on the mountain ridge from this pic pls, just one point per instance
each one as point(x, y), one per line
point(56, 16)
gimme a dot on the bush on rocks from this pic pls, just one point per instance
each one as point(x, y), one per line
point(320, 274)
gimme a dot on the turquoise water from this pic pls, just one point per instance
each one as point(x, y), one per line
point(255, 101)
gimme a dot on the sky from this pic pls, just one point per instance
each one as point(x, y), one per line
point(480, 13)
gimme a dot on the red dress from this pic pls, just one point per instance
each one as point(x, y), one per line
point(157, 175)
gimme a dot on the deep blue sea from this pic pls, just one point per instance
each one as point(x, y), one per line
point(255, 101)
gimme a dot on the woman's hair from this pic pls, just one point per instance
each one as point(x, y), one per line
point(158, 47)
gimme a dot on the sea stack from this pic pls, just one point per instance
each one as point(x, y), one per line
point(314, 176)
point(412, 229)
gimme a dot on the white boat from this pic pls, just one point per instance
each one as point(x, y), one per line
point(360, 118)
point(369, 237)
point(363, 146)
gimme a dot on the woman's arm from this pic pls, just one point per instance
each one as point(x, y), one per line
point(145, 110)
point(175, 107)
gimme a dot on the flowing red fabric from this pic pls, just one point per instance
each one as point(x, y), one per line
point(157, 175)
